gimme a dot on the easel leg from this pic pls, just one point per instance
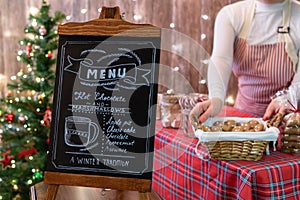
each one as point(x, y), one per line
point(144, 195)
point(51, 192)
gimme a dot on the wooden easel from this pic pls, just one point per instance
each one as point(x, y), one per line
point(52, 178)
point(108, 17)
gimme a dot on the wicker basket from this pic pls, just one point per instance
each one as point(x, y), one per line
point(241, 147)
point(237, 150)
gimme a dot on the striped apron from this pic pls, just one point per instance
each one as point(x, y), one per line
point(261, 69)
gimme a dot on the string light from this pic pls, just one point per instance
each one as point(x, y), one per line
point(33, 11)
point(206, 62)
point(15, 187)
point(29, 182)
point(205, 17)
point(68, 18)
point(13, 166)
point(20, 52)
point(137, 17)
point(176, 69)
point(34, 23)
point(7, 33)
point(230, 100)
point(172, 25)
point(203, 81)
point(20, 73)
point(177, 47)
point(83, 11)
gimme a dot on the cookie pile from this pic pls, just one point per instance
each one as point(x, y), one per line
point(233, 126)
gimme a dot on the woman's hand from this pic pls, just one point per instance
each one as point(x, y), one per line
point(273, 108)
point(206, 109)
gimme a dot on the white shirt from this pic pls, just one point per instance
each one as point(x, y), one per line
point(228, 25)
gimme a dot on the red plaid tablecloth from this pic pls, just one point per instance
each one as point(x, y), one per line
point(180, 174)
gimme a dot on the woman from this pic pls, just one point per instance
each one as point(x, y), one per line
point(259, 40)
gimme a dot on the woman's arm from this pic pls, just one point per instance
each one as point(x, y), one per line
point(220, 66)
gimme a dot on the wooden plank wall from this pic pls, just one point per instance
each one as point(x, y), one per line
point(185, 48)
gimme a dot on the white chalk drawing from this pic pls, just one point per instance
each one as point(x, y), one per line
point(100, 71)
point(80, 131)
point(104, 75)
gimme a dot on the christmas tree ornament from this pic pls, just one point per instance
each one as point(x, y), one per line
point(42, 31)
point(49, 55)
point(41, 97)
point(9, 117)
point(21, 119)
point(27, 153)
point(48, 141)
point(28, 50)
point(38, 175)
point(7, 159)
point(8, 94)
point(47, 117)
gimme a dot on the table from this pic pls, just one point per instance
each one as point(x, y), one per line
point(180, 174)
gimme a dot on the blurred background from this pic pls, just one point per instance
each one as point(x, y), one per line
point(187, 34)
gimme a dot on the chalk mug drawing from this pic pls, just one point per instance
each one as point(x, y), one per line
point(80, 131)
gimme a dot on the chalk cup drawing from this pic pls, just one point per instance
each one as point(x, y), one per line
point(80, 131)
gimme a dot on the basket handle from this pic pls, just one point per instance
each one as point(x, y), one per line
point(200, 154)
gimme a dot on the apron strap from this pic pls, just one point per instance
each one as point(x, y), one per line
point(248, 20)
point(284, 34)
point(283, 31)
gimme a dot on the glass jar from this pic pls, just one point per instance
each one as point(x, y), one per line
point(170, 111)
point(187, 103)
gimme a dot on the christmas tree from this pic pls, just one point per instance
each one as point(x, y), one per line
point(25, 112)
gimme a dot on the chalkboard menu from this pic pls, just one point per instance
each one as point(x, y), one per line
point(104, 104)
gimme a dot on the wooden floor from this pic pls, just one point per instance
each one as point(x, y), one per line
point(84, 193)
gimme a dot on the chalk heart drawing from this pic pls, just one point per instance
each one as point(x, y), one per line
point(80, 131)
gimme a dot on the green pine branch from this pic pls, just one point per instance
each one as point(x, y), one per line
point(24, 136)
